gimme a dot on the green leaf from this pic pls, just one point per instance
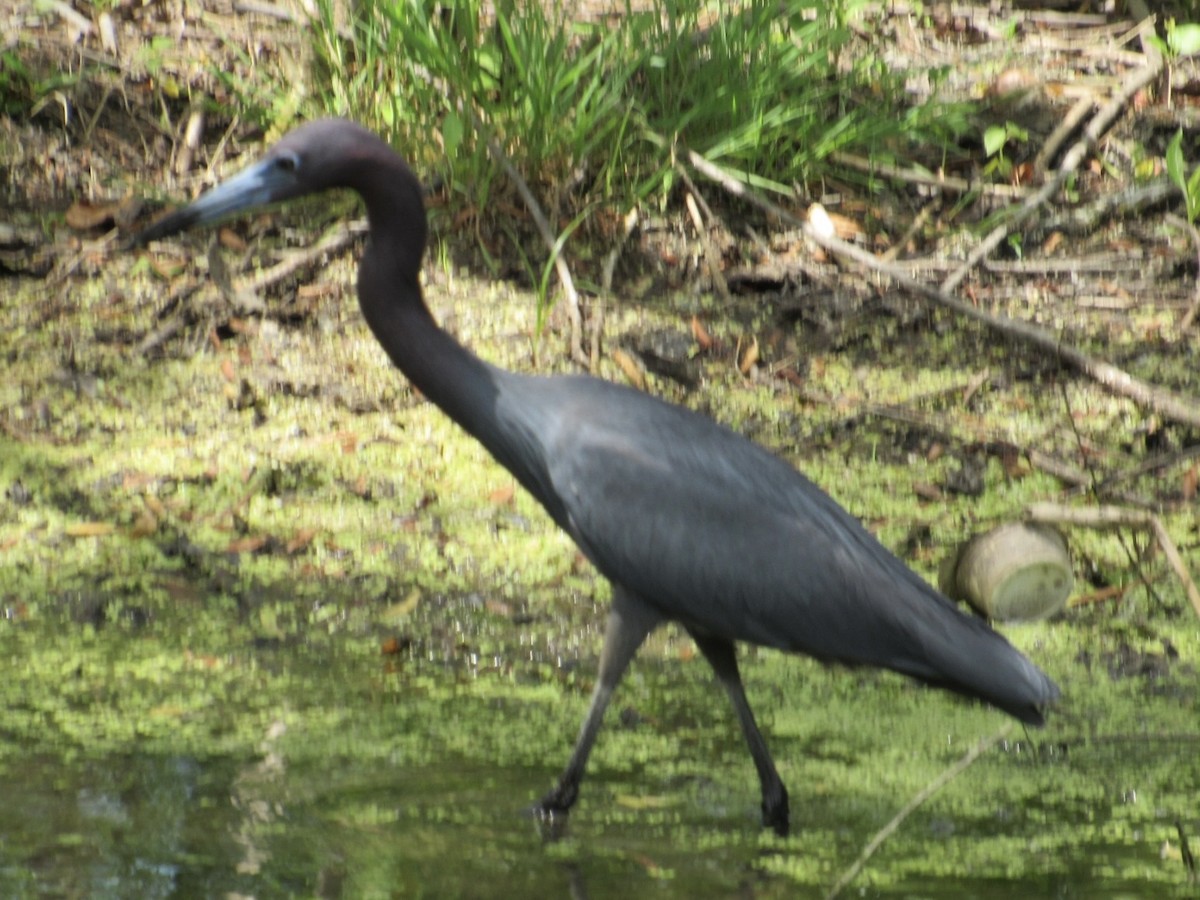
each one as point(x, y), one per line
point(994, 139)
point(1144, 169)
point(1192, 195)
point(1174, 161)
point(1184, 40)
point(452, 133)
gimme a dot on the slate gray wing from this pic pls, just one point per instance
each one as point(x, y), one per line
point(720, 535)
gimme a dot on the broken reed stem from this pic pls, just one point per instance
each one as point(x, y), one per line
point(909, 808)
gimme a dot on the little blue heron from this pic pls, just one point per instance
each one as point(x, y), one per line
point(689, 521)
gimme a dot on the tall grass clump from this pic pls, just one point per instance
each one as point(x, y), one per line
point(596, 113)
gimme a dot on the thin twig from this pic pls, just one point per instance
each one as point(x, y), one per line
point(939, 181)
point(1059, 135)
point(334, 241)
point(1116, 517)
point(1071, 161)
point(918, 222)
point(924, 794)
point(1130, 202)
point(629, 223)
point(1145, 467)
point(693, 200)
point(1170, 405)
point(81, 23)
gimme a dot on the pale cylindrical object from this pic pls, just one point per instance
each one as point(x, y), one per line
point(1020, 571)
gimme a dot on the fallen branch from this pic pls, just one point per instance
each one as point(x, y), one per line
point(1059, 135)
point(924, 794)
point(239, 292)
point(335, 240)
point(1169, 405)
point(1134, 201)
point(950, 183)
point(1071, 161)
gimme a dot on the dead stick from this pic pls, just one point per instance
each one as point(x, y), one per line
point(1071, 161)
point(1059, 135)
point(336, 240)
point(1169, 405)
point(924, 794)
point(939, 181)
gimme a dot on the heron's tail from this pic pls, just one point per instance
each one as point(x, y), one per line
point(963, 654)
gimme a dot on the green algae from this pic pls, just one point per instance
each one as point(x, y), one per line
point(203, 558)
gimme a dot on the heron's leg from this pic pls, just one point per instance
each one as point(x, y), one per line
point(629, 621)
point(721, 656)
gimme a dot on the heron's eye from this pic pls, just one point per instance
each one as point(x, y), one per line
point(287, 162)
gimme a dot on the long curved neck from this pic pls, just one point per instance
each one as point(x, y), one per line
point(448, 374)
point(452, 377)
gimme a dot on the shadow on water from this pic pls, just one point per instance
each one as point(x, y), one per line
point(329, 773)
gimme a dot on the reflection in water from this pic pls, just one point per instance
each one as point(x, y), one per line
point(357, 781)
point(254, 790)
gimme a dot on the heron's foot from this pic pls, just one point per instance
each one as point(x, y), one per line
point(559, 801)
point(775, 809)
point(552, 811)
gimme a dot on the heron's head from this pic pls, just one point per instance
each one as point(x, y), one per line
point(317, 156)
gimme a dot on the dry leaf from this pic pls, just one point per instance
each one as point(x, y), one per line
point(1013, 81)
point(165, 269)
point(928, 492)
point(1191, 479)
point(242, 326)
point(749, 357)
point(231, 240)
point(502, 496)
point(633, 372)
point(247, 544)
point(300, 540)
point(846, 228)
point(89, 529)
point(791, 376)
point(131, 481)
point(144, 525)
point(402, 609)
point(84, 216)
point(392, 646)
